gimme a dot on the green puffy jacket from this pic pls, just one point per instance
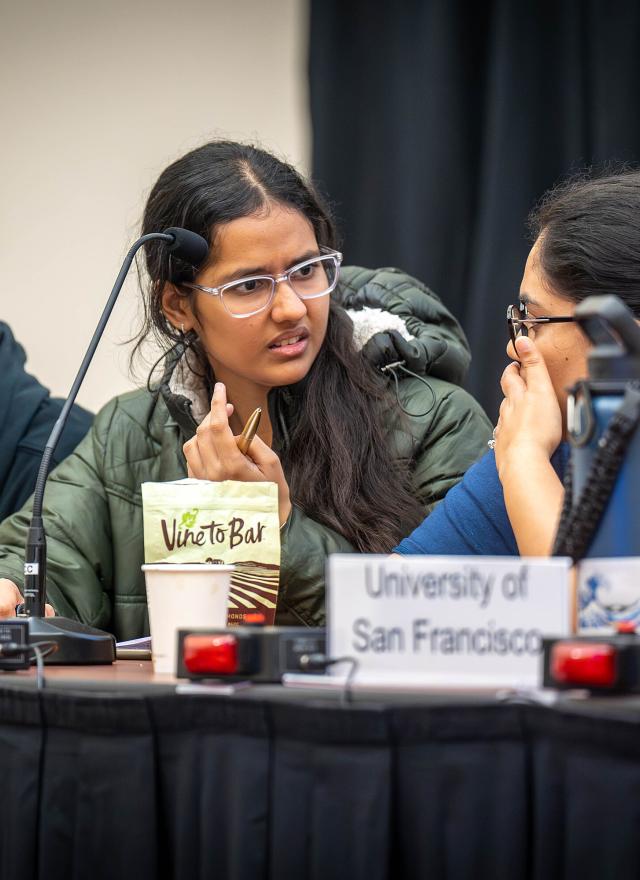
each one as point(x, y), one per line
point(93, 504)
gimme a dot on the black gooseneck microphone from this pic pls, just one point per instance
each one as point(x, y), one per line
point(77, 642)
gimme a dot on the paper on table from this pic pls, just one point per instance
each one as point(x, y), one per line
point(212, 688)
point(144, 642)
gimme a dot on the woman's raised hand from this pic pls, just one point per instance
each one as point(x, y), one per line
point(213, 454)
point(530, 425)
point(528, 431)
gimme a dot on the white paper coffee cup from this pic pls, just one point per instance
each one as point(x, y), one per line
point(182, 596)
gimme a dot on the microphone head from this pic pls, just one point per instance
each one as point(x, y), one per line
point(187, 246)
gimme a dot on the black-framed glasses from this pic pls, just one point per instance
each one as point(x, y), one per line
point(520, 321)
point(310, 279)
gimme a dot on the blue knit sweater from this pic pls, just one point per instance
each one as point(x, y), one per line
point(472, 519)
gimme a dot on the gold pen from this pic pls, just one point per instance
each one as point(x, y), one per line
point(249, 431)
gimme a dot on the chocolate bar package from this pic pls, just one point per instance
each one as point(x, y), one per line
point(228, 523)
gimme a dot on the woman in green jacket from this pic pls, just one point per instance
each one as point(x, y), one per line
point(359, 442)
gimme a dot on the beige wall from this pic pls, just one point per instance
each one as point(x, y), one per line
point(97, 98)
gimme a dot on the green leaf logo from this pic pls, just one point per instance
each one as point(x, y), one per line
point(189, 518)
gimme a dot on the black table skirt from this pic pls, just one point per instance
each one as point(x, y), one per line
point(155, 785)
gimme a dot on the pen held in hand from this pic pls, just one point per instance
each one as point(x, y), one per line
point(249, 431)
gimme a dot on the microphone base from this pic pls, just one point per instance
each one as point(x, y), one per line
point(78, 644)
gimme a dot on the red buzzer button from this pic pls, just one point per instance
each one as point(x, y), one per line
point(211, 655)
point(625, 626)
point(584, 664)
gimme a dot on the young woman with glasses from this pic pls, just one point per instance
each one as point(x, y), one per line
point(586, 242)
point(358, 441)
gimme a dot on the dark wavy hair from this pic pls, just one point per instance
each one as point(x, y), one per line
point(589, 233)
point(338, 462)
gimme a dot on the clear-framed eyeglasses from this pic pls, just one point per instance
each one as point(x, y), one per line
point(310, 279)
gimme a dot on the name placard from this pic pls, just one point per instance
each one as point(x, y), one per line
point(446, 620)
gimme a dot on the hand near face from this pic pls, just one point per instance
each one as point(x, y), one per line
point(530, 423)
point(213, 454)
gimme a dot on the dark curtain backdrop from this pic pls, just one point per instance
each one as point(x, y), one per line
point(437, 124)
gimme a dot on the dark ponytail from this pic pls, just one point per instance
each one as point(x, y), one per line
point(338, 461)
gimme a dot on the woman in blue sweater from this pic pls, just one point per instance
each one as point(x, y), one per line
point(586, 243)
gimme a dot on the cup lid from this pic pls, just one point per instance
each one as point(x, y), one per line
point(186, 566)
